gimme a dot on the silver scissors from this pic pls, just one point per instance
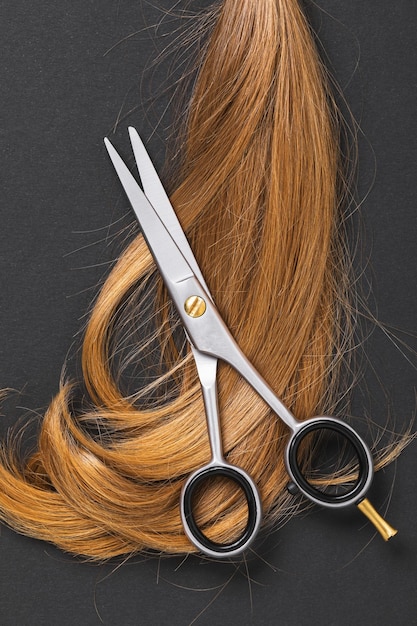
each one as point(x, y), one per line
point(210, 341)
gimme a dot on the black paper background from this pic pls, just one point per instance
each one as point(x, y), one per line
point(61, 91)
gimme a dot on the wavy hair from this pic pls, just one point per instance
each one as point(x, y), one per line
point(260, 194)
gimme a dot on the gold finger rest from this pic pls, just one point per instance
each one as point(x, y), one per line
point(385, 530)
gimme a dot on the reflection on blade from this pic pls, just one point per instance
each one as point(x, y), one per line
point(157, 196)
point(168, 257)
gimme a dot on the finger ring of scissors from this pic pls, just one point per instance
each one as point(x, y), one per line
point(207, 372)
point(210, 341)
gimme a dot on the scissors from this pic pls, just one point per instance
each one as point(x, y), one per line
point(210, 341)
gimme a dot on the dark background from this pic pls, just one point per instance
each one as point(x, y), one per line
point(70, 72)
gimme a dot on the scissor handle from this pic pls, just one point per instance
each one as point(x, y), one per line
point(192, 530)
point(364, 458)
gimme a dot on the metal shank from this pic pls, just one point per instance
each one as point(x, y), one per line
point(207, 373)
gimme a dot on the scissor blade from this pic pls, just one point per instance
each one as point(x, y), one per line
point(165, 251)
point(157, 196)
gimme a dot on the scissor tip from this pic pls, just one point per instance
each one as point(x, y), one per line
point(109, 146)
point(133, 133)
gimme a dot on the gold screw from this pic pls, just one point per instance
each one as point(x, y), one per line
point(195, 306)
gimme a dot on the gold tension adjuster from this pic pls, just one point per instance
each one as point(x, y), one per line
point(195, 306)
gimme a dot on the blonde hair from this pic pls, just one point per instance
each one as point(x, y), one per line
point(260, 194)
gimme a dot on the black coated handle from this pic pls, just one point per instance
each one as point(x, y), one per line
point(364, 460)
point(195, 534)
